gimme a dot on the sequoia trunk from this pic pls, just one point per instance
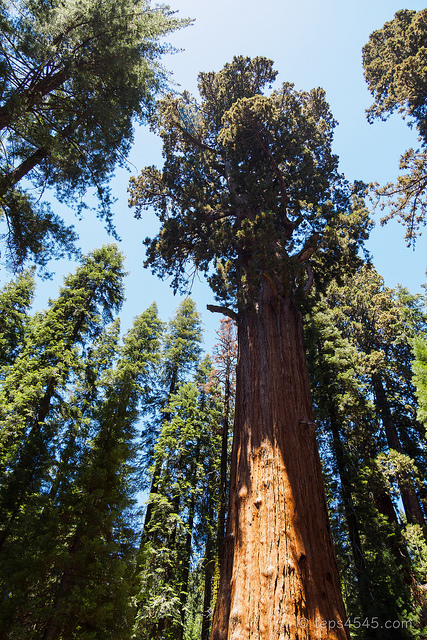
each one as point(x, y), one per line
point(279, 576)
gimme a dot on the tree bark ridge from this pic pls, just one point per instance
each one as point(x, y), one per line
point(280, 577)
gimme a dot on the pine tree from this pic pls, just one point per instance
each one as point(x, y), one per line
point(15, 302)
point(160, 596)
point(83, 536)
point(180, 356)
point(373, 561)
point(186, 452)
point(93, 590)
point(377, 322)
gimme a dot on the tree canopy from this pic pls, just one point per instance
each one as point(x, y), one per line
point(394, 60)
point(75, 78)
point(248, 183)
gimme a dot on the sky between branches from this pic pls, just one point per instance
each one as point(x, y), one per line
point(312, 44)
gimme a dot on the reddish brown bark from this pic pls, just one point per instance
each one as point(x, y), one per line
point(279, 577)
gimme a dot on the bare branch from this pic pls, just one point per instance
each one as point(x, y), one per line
point(310, 280)
point(224, 310)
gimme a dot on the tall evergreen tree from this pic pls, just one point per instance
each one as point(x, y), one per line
point(186, 452)
point(80, 541)
point(32, 393)
point(377, 322)
point(394, 63)
point(75, 77)
point(94, 581)
point(160, 597)
point(373, 562)
point(181, 352)
point(249, 184)
point(15, 302)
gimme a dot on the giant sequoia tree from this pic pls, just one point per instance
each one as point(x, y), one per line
point(248, 185)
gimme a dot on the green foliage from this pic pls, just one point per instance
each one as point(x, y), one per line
point(15, 302)
point(182, 348)
point(359, 335)
point(394, 60)
point(34, 232)
point(75, 78)
point(417, 546)
point(420, 376)
point(248, 179)
point(59, 484)
point(186, 455)
point(194, 613)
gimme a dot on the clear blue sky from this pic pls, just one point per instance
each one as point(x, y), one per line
point(312, 43)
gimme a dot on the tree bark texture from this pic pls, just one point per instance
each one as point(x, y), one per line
point(279, 576)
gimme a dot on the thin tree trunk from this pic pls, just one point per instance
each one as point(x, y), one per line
point(185, 566)
point(362, 577)
point(224, 463)
point(279, 575)
point(223, 492)
point(407, 490)
point(208, 569)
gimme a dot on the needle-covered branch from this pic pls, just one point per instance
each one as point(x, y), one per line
point(395, 61)
point(75, 78)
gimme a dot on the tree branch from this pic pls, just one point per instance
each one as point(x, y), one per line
point(310, 280)
point(224, 310)
point(279, 175)
point(19, 172)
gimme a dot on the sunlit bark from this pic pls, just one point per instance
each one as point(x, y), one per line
point(279, 576)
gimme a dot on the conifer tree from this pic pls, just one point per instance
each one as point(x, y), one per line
point(363, 518)
point(82, 538)
point(186, 452)
point(420, 377)
point(32, 393)
point(377, 321)
point(93, 591)
point(248, 186)
point(180, 356)
point(159, 598)
point(75, 78)
point(394, 64)
point(15, 302)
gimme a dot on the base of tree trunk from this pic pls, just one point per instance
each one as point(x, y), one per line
point(279, 576)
